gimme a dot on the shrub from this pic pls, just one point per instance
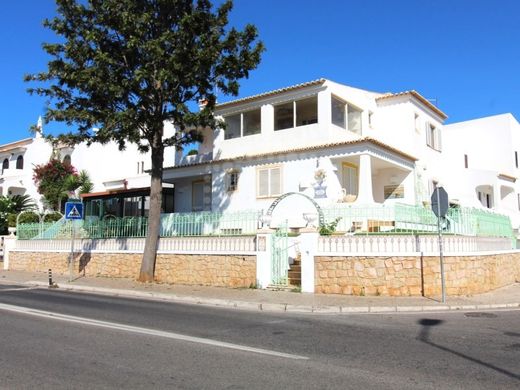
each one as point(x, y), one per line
point(326, 229)
point(29, 217)
point(11, 220)
point(52, 217)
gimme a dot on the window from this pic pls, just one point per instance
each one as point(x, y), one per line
point(370, 119)
point(417, 123)
point(307, 111)
point(243, 124)
point(296, 113)
point(132, 206)
point(516, 159)
point(19, 162)
point(269, 182)
point(354, 119)
point(67, 160)
point(284, 116)
point(433, 137)
point(233, 126)
point(345, 115)
point(394, 192)
point(338, 112)
point(350, 179)
point(232, 181)
point(140, 167)
point(252, 122)
point(5, 165)
point(485, 199)
point(465, 161)
point(197, 196)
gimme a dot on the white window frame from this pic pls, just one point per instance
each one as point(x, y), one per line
point(295, 112)
point(241, 115)
point(270, 193)
point(347, 106)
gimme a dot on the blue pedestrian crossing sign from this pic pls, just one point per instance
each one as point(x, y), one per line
point(73, 210)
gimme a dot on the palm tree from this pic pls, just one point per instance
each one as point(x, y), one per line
point(76, 185)
point(13, 205)
point(22, 203)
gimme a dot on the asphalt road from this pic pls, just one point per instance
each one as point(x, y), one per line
point(127, 343)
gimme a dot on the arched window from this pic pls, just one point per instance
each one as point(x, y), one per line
point(67, 160)
point(19, 162)
point(5, 165)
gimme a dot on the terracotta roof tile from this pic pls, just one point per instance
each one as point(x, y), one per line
point(304, 149)
point(416, 95)
point(14, 145)
point(270, 93)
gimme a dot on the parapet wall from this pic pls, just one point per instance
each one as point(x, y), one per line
point(415, 275)
point(204, 269)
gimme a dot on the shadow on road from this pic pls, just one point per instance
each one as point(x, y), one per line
point(424, 334)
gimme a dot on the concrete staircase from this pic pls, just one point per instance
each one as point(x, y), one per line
point(295, 272)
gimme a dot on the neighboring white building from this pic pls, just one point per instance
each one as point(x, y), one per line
point(109, 168)
point(328, 141)
point(18, 159)
point(481, 164)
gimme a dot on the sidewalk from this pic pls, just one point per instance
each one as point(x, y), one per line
point(263, 300)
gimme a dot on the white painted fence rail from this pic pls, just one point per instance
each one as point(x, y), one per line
point(195, 245)
point(392, 244)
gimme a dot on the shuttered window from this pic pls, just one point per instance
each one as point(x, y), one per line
point(269, 182)
point(433, 137)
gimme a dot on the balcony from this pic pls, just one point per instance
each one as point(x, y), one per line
point(195, 159)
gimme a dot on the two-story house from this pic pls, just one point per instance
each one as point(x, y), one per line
point(331, 142)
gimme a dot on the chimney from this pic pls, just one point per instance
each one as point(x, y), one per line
point(202, 104)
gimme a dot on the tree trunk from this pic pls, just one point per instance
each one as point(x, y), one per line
point(154, 217)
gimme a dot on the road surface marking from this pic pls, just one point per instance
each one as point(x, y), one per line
point(18, 289)
point(145, 331)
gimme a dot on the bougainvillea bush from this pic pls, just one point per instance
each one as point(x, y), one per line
point(51, 180)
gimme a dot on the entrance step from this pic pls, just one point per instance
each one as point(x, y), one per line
point(295, 273)
point(280, 288)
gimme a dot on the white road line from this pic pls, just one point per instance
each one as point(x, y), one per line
point(145, 331)
point(18, 289)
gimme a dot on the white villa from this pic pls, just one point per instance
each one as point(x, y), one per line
point(328, 141)
point(335, 144)
point(365, 161)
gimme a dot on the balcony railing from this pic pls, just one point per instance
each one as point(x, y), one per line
point(196, 159)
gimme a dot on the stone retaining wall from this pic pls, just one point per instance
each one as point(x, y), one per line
point(414, 276)
point(209, 270)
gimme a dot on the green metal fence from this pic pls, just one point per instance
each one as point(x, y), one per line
point(388, 219)
point(177, 224)
point(403, 218)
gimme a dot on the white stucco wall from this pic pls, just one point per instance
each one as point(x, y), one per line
point(490, 144)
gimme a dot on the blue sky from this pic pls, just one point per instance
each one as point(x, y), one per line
point(464, 53)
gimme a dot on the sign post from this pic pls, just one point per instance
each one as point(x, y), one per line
point(440, 208)
point(73, 211)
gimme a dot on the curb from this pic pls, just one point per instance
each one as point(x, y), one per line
point(275, 307)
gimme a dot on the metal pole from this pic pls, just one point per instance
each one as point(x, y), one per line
point(443, 284)
point(71, 260)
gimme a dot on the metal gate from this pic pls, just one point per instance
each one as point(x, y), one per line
point(279, 257)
